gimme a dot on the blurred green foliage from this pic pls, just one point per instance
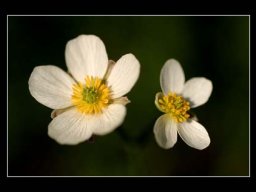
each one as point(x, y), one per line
point(214, 47)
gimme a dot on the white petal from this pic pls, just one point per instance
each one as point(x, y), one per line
point(172, 77)
point(51, 86)
point(71, 127)
point(124, 75)
point(86, 55)
point(112, 117)
point(197, 90)
point(165, 131)
point(158, 96)
point(194, 134)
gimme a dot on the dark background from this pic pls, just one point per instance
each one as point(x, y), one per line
point(214, 47)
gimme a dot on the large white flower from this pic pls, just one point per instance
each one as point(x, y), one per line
point(90, 101)
point(175, 101)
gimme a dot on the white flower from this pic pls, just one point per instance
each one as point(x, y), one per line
point(89, 102)
point(175, 101)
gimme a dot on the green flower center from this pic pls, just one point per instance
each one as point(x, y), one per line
point(90, 95)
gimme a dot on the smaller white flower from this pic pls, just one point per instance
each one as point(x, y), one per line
point(91, 100)
point(175, 101)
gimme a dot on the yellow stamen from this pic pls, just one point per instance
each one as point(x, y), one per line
point(176, 106)
point(91, 97)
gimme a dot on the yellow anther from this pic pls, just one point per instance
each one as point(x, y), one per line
point(176, 106)
point(91, 97)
